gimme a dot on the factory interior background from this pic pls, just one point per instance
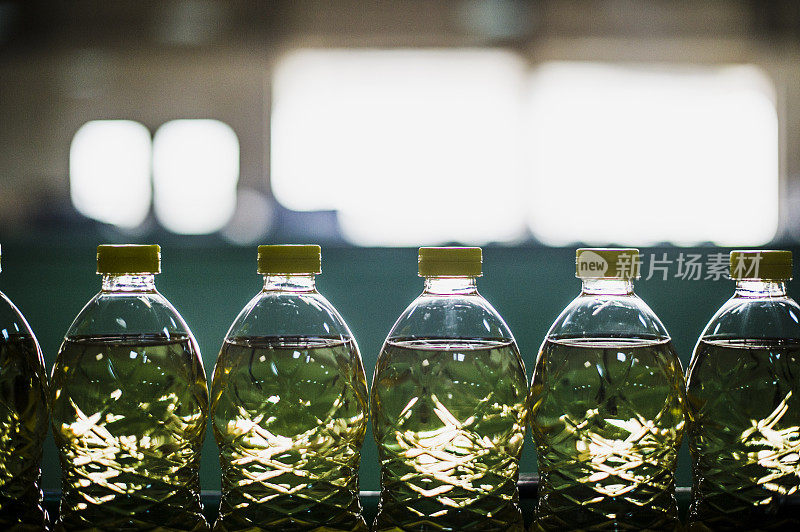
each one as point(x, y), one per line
point(526, 127)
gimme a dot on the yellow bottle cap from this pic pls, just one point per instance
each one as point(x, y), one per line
point(289, 258)
point(607, 263)
point(761, 265)
point(450, 262)
point(120, 259)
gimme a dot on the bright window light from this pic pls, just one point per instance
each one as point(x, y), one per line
point(645, 155)
point(195, 172)
point(109, 172)
point(409, 146)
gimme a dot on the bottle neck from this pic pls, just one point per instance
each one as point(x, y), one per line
point(609, 287)
point(451, 285)
point(140, 282)
point(760, 289)
point(305, 282)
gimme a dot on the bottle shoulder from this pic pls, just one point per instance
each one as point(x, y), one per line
point(284, 314)
point(610, 317)
point(434, 316)
point(16, 334)
point(755, 318)
point(122, 314)
point(12, 322)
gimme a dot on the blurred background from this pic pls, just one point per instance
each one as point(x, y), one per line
point(526, 127)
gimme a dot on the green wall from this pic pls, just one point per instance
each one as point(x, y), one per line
point(529, 286)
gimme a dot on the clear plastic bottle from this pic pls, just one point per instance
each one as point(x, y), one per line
point(448, 407)
point(23, 422)
point(744, 400)
point(129, 403)
point(607, 406)
point(289, 406)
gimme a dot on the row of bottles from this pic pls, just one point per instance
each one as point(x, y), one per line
point(449, 404)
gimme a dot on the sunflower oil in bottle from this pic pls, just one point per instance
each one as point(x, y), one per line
point(289, 406)
point(129, 403)
point(744, 398)
point(448, 406)
point(607, 407)
point(23, 422)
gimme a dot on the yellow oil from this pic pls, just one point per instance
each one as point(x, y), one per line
point(449, 421)
point(129, 416)
point(23, 426)
point(607, 418)
point(289, 415)
point(744, 397)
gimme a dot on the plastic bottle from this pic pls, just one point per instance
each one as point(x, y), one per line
point(289, 405)
point(23, 422)
point(129, 403)
point(607, 406)
point(448, 406)
point(744, 397)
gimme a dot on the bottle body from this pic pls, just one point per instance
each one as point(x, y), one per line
point(607, 409)
point(289, 409)
point(744, 396)
point(449, 423)
point(448, 406)
point(607, 419)
point(23, 422)
point(129, 403)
